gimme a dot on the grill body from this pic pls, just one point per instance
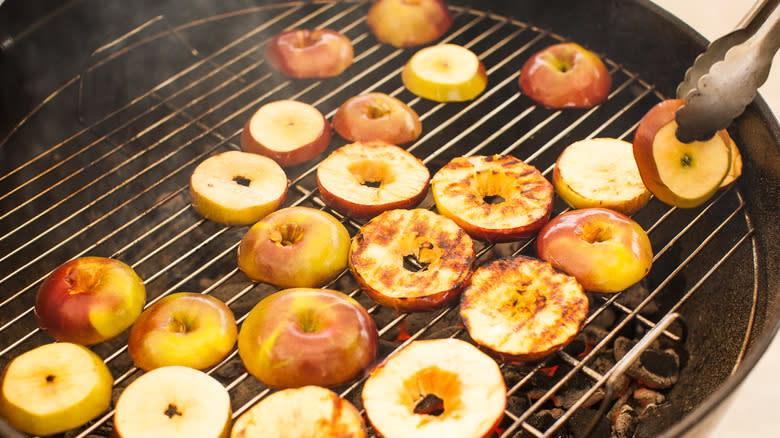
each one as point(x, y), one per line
point(96, 155)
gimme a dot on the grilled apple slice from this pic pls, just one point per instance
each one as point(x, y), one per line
point(405, 23)
point(305, 412)
point(445, 73)
point(287, 131)
point(173, 402)
point(496, 198)
point(522, 308)
point(735, 170)
point(386, 245)
point(377, 116)
point(600, 172)
point(304, 53)
point(53, 388)
point(364, 179)
point(467, 382)
point(237, 188)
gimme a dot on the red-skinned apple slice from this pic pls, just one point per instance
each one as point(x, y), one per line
point(279, 415)
point(377, 116)
point(680, 174)
point(466, 381)
point(445, 73)
point(237, 188)
point(604, 250)
point(496, 198)
point(89, 300)
point(303, 53)
point(187, 329)
point(364, 179)
point(565, 75)
point(287, 131)
point(53, 388)
point(407, 23)
point(301, 336)
point(173, 402)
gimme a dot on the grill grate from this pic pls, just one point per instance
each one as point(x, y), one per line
point(117, 186)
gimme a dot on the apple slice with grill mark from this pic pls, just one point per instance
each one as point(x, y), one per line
point(445, 73)
point(237, 188)
point(173, 402)
point(496, 198)
point(305, 412)
point(287, 131)
point(680, 174)
point(54, 388)
point(363, 179)
point(522, 309)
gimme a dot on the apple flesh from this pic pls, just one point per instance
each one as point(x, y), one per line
point(406, 23)
point(89, 300)
point(304, 53)
point(54, 388)
point(287, 131)
point(187, 329)
point(467, 381)
point(377, 116)
point(279, 415)
point(565, 75)
point(173, 402)
point(363, 179)
point(294, 247)
point(237, 188)
point(604, 250)
point(680, 174)
point(301, 336)
point(445, 73)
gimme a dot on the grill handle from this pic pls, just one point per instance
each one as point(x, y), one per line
point(625, 362)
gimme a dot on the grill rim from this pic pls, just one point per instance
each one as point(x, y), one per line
point(761, 344)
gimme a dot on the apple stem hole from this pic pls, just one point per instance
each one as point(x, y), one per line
point(287, 234)
point(240, 180)
point(595, 233)
point(376, 110)
point(493, 199)
point(172, 410)
point(429, 405)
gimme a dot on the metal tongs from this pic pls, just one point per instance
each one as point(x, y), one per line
point(723, 80)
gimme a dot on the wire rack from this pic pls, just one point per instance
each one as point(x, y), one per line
point(117, 184)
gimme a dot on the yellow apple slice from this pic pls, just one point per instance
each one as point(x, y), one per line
point(173, 402)
point(680, 174)
point(288, 131)
point(237, 188)
point(600, 172)
point(54, 388)
point(445, 73)
point(305, 412)
point(466, 383)
point(735, 170)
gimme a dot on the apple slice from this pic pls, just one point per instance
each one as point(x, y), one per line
point(496, 198)
point(173, 402)
point(381, 253)
point(287, 131)
point(306, 412)
point(237, 188)
point(600, 172)
point(680, 174)
point(445, 73)
point(522, 309)
point(466, 384)
point(377, 116)
point(53, 388)
point(304, 53)
point(364, 179)
point(735, 170)
point(565, 75)
point(187, 329)
point(406, 23)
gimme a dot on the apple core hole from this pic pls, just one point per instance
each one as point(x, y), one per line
point(686, 160)
point(172, 410)
point(430, 404)
point(287, 234)
point(371, 173)
point(493, 199)
point(50, 378)
point(240, 180)
point(376, 110)
point(413, 264)
point(596, 232)
point(372, 184)
point(307, 322)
